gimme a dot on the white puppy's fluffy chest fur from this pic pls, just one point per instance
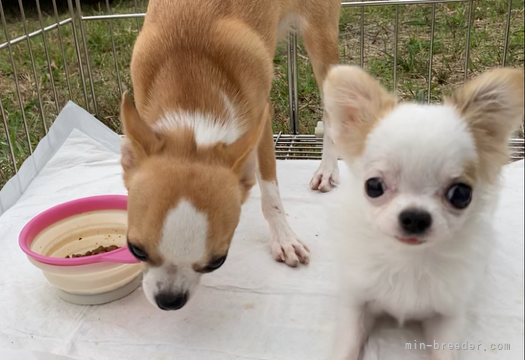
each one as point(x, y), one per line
point(404, 281)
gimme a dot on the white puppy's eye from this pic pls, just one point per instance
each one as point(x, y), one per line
point(374, 187)
point(459, 195)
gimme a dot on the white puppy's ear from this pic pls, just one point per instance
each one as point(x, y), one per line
point(492, 105)
point(354, 102)
point(140, 140)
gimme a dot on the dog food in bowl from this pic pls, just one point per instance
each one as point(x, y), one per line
point(101, 249)
point(80, 246)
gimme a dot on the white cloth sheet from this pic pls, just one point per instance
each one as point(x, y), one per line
point(252, 308)
point(70, 118)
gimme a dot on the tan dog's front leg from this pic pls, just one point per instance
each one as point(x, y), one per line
point(285, 243)
point(320, 32)
point(327, 175)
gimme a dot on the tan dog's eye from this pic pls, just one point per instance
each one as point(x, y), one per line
point(137, 252)
point(214, 265)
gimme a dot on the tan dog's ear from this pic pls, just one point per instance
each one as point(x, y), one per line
point(245, 168)
point(354, 102)
point(243, 154)
point(140, 140)
point(492, 105)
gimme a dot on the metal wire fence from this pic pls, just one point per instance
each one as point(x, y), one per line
point(67, 51)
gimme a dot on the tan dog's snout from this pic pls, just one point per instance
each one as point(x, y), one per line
point(171, 301)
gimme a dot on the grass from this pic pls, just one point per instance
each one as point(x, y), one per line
point(414, 42)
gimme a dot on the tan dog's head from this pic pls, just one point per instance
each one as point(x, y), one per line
point(184, 204)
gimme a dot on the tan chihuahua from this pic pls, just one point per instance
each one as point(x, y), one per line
point(201, 134)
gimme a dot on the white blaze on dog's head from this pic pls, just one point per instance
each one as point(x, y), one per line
point(182, 244)
point(422, 170)
point(207, 128)
point(184, 201)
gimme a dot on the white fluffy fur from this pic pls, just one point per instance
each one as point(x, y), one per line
point(207, 129)
point(176, 275)
point(418, 150)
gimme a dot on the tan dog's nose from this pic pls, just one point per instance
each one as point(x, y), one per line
point(171, 301)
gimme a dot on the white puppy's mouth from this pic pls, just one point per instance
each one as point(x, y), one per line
point(411, 240)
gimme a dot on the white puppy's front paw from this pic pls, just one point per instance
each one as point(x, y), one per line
point(325, 178)
point(290, 250)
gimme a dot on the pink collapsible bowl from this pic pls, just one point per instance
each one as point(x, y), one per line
point(76, 227)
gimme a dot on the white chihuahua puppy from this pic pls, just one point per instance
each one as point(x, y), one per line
point(421, 176)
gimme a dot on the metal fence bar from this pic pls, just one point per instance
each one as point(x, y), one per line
point(289, 151)
point(114, 50)
point(7, 135)
point(362, 35)
point(295, 129)
point(299, 147)
point(467, 45)
point(79, 57)
point(136, 8)
point(37, 82)
point(51, 77)
point(431, 52)
point(115, 16)
point(290, 81)
point(15, 75)
point(397, 2)
point(61, 45)
point(33, 34)
point(291, 61)
point(507, 30)
point(276, 139)
point(86, 54)
point(396, 37)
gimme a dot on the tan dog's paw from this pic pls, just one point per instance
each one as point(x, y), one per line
point(325, 178)
point(290, 250)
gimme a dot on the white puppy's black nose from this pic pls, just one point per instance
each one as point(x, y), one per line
point(414, 221)
point(171, 301)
